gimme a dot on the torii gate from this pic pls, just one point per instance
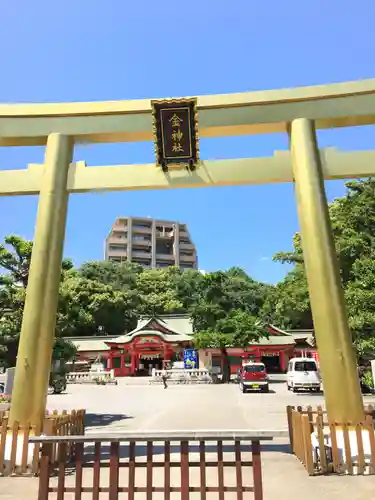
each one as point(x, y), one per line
point(297, 111)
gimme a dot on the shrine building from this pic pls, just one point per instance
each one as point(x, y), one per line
point(275, 350)
point(161, 339)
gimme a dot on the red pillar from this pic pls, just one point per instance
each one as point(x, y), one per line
point(122, 357)
point(168, 353)
point(110, 360)
point(282, 361)
point(133, 362)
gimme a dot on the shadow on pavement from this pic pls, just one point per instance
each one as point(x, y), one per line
point(309, 394)
point(271, 391)
point(158, 449)
point(102, 419)
point(276, 447)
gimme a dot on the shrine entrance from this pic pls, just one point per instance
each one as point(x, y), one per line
point(175, 126)
point(155, 341)
point(272, 363)
point(147, 363)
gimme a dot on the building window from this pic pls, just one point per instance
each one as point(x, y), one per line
point(216, 361)
point(119, 236)
point(164, 248)
point(140, 238)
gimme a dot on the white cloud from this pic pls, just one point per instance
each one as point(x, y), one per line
point(262, 259)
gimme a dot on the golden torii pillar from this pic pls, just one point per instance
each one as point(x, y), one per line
point(39, 316)
point(336, 354)
point(60, 125)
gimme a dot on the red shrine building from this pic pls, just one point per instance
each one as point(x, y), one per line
point(148, 346)
point(160, 339)
point(275, 350)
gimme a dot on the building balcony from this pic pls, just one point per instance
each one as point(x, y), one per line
point(187, 258)
point(117, 253)
point(121, 228)
point(141, 255)
point(165, 257)
point(164, 234)
point(141, 230)
point(186, 246)
point(141, 242)
point(117, 240)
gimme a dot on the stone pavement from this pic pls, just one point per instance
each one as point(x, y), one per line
point(143, 407)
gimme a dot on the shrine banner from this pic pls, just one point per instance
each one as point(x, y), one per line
point(190, 358)
point(175, 132)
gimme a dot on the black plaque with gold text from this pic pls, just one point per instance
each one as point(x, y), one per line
point(176, 132)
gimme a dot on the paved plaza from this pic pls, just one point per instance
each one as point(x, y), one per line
point(145, 407)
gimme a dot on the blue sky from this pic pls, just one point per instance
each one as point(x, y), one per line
point(93, 50)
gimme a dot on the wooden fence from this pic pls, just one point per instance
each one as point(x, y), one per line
point(18, 456)
point(331, 447)
point(154, 462)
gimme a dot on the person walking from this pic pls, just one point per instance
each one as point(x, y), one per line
point(164, 377)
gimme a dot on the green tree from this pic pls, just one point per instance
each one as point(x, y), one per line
point(64, 350)
point(360, 300)
point(157, 292)
point(188, 284)
point(220, 292)
point(236, 329)
point(120, 276)
point(15, 257)
point(287, 304)
point(353, 224)
point(87, 307)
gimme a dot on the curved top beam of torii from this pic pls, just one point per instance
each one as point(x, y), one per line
point(333, 105)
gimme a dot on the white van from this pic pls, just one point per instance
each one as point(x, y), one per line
point(303, 373)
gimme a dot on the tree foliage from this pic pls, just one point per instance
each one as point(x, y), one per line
point(88, 307)
point(353, 225)
point(228, 308)
point(15, 256)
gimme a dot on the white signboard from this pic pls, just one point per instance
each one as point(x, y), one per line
point(9, 380)
point(373, 370)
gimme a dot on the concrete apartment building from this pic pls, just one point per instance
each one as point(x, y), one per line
point(151, 243)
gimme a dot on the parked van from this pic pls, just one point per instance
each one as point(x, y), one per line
point(303, 373)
